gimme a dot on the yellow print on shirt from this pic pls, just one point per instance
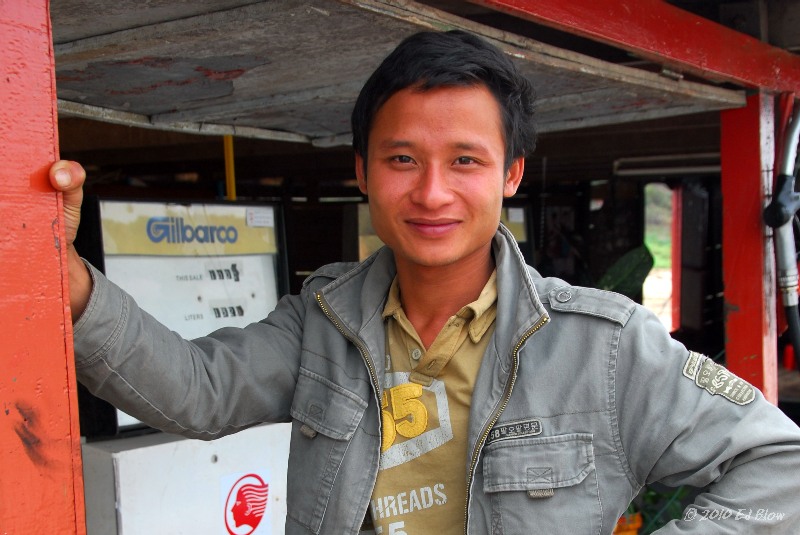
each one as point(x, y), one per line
point(402, 412)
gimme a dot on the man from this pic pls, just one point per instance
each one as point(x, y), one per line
point(443, 386)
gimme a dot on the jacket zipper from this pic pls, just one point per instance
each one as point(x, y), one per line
point(496, 416)
point(372, 373)
point(363, 350)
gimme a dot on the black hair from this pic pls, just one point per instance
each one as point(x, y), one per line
point(428, 60)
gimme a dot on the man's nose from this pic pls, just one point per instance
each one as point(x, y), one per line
point(433, 188)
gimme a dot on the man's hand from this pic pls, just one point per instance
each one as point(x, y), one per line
point(68, 178)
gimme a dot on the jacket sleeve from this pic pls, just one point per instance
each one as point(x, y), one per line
point(684, 420)
point(204, 388)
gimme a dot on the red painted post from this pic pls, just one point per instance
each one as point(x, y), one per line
point(677, 256)
point(41, 485)
point(748, 265)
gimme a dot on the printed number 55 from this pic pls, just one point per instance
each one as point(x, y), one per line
point(408, 415)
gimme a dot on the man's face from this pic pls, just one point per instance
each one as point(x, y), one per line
point(435, 178)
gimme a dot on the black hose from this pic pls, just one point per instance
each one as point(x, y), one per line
point(793, 322)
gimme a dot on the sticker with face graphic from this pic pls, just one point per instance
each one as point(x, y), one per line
point(246, 504)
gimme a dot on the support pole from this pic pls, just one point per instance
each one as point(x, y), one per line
point(230, 169)
point(677, 256)
point(41, 485)
point(748, 264)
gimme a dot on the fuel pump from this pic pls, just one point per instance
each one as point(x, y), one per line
point(780, 215)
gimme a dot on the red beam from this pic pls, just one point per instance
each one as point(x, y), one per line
point(747, 155)
point(677, 256)
point(660, 32)
point(41, 485)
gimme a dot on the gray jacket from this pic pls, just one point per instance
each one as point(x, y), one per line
point(581, 399)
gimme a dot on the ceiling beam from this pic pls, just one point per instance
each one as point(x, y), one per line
point(660, 32)
point(68, 108)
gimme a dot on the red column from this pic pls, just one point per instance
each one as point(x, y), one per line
point(41, 487)
point(677, 231)
point(748, 265)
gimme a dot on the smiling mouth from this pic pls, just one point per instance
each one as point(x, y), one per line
point(433, 228)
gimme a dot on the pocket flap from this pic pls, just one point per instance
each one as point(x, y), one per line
point(325, 407)
point(537, 463)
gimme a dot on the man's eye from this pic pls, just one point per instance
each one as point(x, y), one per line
point(464, 160)
point(403, 159)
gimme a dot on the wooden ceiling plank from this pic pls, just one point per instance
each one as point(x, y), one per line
point(540, 54)
point(108, 17)
point(555, 124)
point(86, 111)
point(314, 58)
point(137, 41)
point(225, 111)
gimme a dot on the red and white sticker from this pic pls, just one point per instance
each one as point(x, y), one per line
point(246, 504)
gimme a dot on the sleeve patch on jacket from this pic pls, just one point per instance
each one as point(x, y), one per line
point(717, 380)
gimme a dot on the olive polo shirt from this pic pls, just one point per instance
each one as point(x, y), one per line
point(421, 485)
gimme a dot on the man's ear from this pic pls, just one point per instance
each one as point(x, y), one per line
point(513, 177)
point(361, 174)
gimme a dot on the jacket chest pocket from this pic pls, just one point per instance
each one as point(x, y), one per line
point(325, 418)
point(542, 485)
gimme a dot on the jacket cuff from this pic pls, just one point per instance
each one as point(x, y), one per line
point(101, 323)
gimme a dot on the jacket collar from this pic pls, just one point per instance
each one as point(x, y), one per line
point(518, 303)
point(358, 297)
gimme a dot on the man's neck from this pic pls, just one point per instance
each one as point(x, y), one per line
point(432, 295)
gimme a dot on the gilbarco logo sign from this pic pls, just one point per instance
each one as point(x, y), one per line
point(175, 230)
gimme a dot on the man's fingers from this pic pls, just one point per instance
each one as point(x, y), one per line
point(66, 175)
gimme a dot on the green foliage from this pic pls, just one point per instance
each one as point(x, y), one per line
point(658, 223)
point(660, 247)
point(659, 507)
point(627, 274)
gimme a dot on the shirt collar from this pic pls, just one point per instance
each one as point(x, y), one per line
point(480, 314)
